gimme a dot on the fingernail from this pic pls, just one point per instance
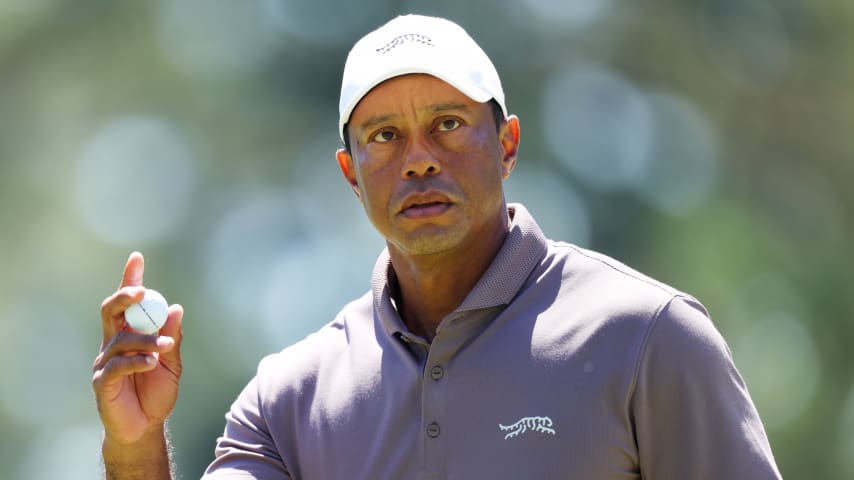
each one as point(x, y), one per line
point(164, 342)
point(149, 359)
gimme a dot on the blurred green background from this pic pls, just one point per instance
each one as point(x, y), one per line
point(706, 143)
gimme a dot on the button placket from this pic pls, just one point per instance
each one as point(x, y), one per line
point(434, 397)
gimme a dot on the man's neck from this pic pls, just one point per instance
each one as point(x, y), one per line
point(429, 287)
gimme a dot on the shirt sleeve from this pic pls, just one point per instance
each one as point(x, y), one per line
point(246, 448)
point(692, 412)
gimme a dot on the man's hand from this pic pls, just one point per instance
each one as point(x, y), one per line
point(136, 380)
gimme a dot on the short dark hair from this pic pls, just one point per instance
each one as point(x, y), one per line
point(497, 115)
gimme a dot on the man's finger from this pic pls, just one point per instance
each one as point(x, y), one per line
point(113, 308)
point(118, 367)
point(126, 343)
point(173, 329)
point(134, 268)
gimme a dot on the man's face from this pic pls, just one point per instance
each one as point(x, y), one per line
point(427, 164)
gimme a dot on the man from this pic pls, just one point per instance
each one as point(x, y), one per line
point(484, 350)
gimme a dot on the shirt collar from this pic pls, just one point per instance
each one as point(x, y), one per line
point(523, 248)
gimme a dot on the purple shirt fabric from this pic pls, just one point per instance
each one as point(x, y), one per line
point(560, 363)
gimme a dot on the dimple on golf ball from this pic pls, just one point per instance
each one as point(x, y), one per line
point(149, 315)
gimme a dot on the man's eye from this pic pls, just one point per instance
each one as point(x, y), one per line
point(384, 136)
point(448, 125)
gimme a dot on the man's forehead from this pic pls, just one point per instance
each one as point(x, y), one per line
point(422, 92)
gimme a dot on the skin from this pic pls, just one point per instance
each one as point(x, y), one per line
point(136, 383)
point(428, 166)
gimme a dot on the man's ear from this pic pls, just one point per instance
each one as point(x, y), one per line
point(509, 137)
point(345, 162)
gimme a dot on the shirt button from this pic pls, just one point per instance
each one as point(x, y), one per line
point(437, 372)
point(433, 430)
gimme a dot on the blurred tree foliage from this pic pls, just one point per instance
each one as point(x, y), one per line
point(250, 91)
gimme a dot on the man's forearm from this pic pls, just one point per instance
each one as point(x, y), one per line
point(147, 459)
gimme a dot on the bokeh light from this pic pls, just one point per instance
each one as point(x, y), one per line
point(307, 285)
point(682, 167)
point(34, 353)
point(217, 39)
point(324, 22)
point(559, 210)
point(253, 229)
point(562, 16)
point(747, 41)
point(65, 452)
point(134, 181)
point(779, 360)
point(773, 348)
point(599, 125)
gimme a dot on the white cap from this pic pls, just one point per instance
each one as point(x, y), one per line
point(418, 44)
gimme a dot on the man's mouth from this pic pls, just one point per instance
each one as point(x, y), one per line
point(426, 205)
point(425, 210)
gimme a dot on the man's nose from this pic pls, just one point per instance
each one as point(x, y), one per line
point(419, 160)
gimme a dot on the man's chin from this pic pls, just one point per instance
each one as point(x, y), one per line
point(434, 242)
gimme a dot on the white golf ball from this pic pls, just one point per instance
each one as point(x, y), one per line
point(149, 315)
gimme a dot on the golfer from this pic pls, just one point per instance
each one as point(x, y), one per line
point(483, 350)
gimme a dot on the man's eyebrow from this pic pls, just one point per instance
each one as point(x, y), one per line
point(435, 108)
point(376, 120)
point(444, 107)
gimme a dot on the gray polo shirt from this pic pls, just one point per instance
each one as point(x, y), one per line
point(560, 363)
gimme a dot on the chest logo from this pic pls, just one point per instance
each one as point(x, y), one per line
point(533, 424)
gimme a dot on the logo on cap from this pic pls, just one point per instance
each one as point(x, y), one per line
point(402, 39)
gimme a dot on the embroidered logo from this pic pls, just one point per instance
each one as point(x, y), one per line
point(534, 424)
point(401, 39)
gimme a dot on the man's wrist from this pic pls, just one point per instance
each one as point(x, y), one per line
point(147, 458)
